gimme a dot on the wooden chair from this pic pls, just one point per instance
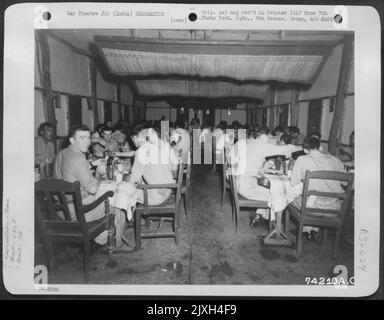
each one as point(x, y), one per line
point(213, 154)
point(225, 184)
point(185, 187)
point(55, 223)
point(169, 208)
point(325, 218)
point(239, 201)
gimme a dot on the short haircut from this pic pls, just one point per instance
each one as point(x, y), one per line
point(277, 129)
point(316, 134)
point(286, 138)
point(44, 126)
point(108, 128)
point(134, 130)
point(311, 143)
point(77, 127)
point(294, 129)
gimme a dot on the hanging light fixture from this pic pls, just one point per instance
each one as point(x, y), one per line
point(229, 112)
point(207, 112)
point(182, 110)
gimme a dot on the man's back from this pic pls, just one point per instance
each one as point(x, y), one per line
point(71, 165)
point(316, 161)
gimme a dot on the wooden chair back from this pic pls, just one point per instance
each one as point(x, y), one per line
point(342, 177)
point(176, 187)
point(53, 199)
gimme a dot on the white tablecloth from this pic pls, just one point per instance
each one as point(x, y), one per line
point(281, 193)
point(125, 195)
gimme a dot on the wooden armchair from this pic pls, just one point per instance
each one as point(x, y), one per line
point(54, 221)
point(167, 209)
point(238, 201)
point(225, 185)
point(213, 154)
point(325, 218)
point(185, 186)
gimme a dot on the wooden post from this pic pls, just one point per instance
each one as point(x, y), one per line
point(272, 110)
point(294, 108)
point(118, 98)
point(345, 71)
point(48, 96)
point(93, 101)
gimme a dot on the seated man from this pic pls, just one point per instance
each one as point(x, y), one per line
point(297, 137)
point(105, 143)
point(249, 159)
point(286, 140)
point(71, 165)
point(118, 134)
point(315, 161)
point(181, 141)
point(154, 162)
point(44, 147)
point(276, 134)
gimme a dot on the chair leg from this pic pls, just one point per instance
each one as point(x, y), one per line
point(48, 249)
point(236, 219)
point(299, 244)
point(138, 229)
point(147, 222)
point(188, 201)
point(222, 194)
point(87, 252)
point(336, 243)
point(286, 224)
point(176, 226)
point(185, 197)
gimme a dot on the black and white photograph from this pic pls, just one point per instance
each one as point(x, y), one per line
point(210, 158)
point(102, 97)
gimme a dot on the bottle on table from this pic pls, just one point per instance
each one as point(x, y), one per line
point(110, 169)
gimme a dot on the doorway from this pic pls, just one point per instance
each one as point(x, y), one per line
point(314, 115)
point(75, 110)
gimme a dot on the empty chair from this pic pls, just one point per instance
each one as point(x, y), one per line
point(54, 199)
point(317, 217)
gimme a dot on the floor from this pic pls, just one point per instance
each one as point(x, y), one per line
point(209, 251)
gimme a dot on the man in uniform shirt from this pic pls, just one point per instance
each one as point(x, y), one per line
point(71, 165)
point(106, 143)
point(181, 140)
point(315, 161)
point(154, 162)
point(44, 147)
point(249, 159)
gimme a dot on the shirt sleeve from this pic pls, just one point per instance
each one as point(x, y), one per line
point(83, 173)
point(297, 172)
point(138, 166)
point(173, 160)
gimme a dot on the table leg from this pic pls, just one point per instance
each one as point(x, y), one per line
point(277, 236)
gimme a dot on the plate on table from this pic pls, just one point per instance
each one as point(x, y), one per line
point(274, 172)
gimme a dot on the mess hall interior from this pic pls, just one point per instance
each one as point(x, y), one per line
point(256, 130)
